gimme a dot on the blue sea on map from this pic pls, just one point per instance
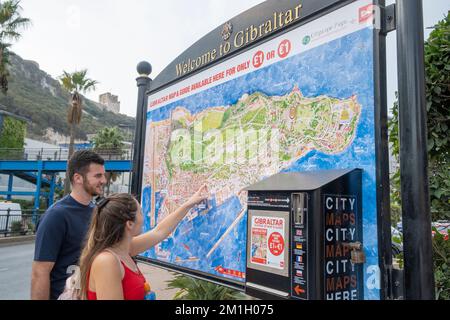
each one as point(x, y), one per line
point(339, 69)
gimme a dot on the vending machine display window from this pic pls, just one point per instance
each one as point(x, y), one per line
point(305, 236)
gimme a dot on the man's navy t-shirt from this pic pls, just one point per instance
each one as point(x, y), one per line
point(60, 237)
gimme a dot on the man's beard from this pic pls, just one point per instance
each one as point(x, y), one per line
point(89, 188)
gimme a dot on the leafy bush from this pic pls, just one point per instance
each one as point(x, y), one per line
point(194, 289)
point(16, 227)
point(399, 256)
point(437, 69)
point(437, 66)
point(12, 133)
point(441, 257)
point(31, 227)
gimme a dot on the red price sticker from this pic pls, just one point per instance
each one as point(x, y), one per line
point(366, 13)
point(276, 244)
point(284, 49)
point(258, 59)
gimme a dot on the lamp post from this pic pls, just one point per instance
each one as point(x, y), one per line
point(418, 251)
point(144, 70)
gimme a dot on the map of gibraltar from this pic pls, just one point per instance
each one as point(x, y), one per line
point(277, 119)
point(304, 124)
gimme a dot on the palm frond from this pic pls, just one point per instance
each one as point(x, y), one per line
point(10, 15)
point(194, 289)
point(10, 22)
point(7, 10)
point(90, 85)
point(9, 31)
point(66, 81)
point(79, 81)
point(9, 35)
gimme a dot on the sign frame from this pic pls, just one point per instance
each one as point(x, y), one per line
point(166, 79)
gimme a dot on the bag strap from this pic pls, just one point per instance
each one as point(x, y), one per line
point(74, 281)
point(114, 254)
point(121, 263)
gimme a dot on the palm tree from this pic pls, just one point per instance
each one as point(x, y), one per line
point(75, 83)
point(109, 143)
point(110, 140)
point(10, 22)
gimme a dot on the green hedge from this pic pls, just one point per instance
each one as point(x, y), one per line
point(12, 136)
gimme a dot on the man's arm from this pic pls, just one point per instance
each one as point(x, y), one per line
point(40, 280)
point(49, 239)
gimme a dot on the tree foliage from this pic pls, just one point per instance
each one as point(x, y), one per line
point(109, 144)
point(441, 257)
point(12, 133)
point(110, 139)
point(76, 83)
point(12, 136)
point(437, 67)
point(437, 64)
point(194, 289)
point(11, 22)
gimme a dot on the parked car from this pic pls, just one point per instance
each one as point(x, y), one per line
point(397, 241)
point(442, 226)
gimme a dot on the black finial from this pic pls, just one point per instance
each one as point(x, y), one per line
point(144, 68)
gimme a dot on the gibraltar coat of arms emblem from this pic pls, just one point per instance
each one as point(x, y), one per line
point(227, 31)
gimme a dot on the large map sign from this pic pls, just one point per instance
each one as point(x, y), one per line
point(301, 101)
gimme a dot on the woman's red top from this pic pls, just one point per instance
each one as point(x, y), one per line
point(132, 284)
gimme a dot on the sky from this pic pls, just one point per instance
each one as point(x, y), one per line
point(110, 37)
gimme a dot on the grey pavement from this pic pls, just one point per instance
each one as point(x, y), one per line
point(15, 274)
point(15, 271)
point(157, 278)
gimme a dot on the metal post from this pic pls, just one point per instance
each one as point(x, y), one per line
point(10, 187)
point(7, 221)
point(418, 253)
point(382, 156)
point(143, 83)
point(38, 192)
point(51, 194)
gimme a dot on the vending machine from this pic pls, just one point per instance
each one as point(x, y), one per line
point(305, 236)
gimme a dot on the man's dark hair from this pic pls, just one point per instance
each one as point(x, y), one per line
point(80, 162)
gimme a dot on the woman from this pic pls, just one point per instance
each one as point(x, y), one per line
point(107, 270)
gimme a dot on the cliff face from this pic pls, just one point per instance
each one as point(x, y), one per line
point(37, 96)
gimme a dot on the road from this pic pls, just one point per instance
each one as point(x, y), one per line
point(15, 271)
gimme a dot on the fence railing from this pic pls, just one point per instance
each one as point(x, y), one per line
point(15, 223)
point(58, 154)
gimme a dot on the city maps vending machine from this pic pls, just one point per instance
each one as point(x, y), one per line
point(305, 236)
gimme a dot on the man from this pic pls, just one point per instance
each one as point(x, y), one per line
point(62, 230)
